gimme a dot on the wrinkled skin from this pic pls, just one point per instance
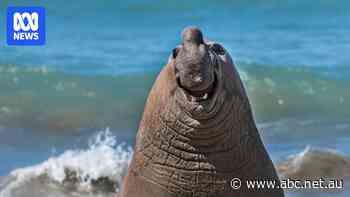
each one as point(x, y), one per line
point(197, 131)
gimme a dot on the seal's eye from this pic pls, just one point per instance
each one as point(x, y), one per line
point(175, 52)
point(218, 49)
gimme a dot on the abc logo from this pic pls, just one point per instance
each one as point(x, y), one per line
point(25, 26)
point(32, 25)
point(33, 21)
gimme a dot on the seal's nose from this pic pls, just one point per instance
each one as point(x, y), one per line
point(192, 35)
point(193, 62)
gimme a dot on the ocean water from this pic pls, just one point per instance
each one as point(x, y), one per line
point(69, 105)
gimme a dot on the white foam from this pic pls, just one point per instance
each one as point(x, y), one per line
point(103, 159)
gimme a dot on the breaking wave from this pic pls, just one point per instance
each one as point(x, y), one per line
point(98, 169)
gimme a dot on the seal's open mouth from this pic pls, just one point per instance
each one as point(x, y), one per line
point(200, 95)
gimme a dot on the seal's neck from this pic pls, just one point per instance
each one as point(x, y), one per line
point(191, 143)
point(182, 164)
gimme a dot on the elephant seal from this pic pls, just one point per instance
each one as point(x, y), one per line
point(197, 132)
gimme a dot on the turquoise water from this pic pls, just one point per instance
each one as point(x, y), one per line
point(101, 58)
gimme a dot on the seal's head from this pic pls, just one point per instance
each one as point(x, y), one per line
point(194, 64)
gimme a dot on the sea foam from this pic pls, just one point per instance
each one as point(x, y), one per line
point(104, 162)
